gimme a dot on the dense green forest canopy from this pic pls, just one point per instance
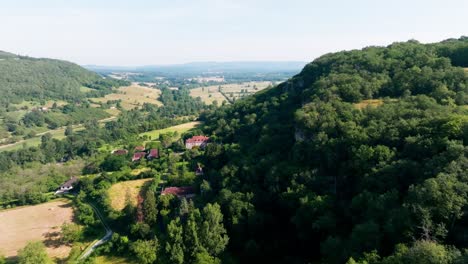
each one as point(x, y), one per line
point(26, 78)
point(306, 172)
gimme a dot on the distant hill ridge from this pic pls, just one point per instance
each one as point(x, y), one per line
point(210, 66)
point(27, 78)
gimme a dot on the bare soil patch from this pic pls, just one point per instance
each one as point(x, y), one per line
point(35, 223)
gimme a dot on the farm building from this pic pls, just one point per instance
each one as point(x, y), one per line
point(181, 192)
point(67, 186)
point(196, 141)
point(138, 156)
point(153, 154)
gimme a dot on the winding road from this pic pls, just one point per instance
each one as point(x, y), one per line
point(101, 241)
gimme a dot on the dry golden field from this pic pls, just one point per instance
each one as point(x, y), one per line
point(133, 96)
point(119, 192)
point(210, 93)
point(33, 223)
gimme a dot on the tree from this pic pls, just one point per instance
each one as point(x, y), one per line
point(150, 208)
point(145, 250)
point(69, 130)
point(175, 243)
point(213, 235)
point(33, 253)
point(191, 233)
point(71, 232)
point(205, 258)
point(423, 252)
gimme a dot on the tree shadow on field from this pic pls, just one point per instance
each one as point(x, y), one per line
point(11, 260)
point(67, 205)
point(70, 205)
point(53, 239)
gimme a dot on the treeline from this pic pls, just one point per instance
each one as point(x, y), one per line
point(305, 172)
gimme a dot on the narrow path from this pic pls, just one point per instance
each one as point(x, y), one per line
point(101, 241)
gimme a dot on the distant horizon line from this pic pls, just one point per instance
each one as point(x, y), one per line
point(193, 62)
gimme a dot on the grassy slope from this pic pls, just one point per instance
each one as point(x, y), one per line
point(119, 192)
point(133, 96)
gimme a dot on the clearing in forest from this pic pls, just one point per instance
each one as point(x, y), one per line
point(119, 192)
point(369, 102)
point(35, 223)
point(132, 96)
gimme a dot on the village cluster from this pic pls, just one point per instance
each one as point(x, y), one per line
point(139, 153)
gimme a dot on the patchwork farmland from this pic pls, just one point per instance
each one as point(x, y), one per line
point(228, 92)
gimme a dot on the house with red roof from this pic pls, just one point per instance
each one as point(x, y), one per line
point(186, 192)
point(196, 141)
point(153, 154)
point(138, 156)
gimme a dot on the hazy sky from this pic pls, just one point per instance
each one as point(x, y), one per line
point(142, 32)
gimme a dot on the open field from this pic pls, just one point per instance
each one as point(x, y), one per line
point(182, 128)
point(119, 192)
point(132, 96)
point(208, 94)
point(33, 223)
point(234, 91)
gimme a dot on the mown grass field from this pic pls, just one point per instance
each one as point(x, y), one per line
point(132, 96)
point(234, 91)
point(208, 94)
point(119, 192)
point(182, 128)
point(40, 222)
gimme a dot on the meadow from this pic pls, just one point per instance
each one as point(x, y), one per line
point(233, 91)
point(133, 96)
point(180, 129)
point(35, 223)
point(120, 192)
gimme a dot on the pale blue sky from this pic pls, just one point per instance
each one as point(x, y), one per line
point(143, 32)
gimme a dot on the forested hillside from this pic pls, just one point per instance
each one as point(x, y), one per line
point(26, 78)
point(362, 157)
